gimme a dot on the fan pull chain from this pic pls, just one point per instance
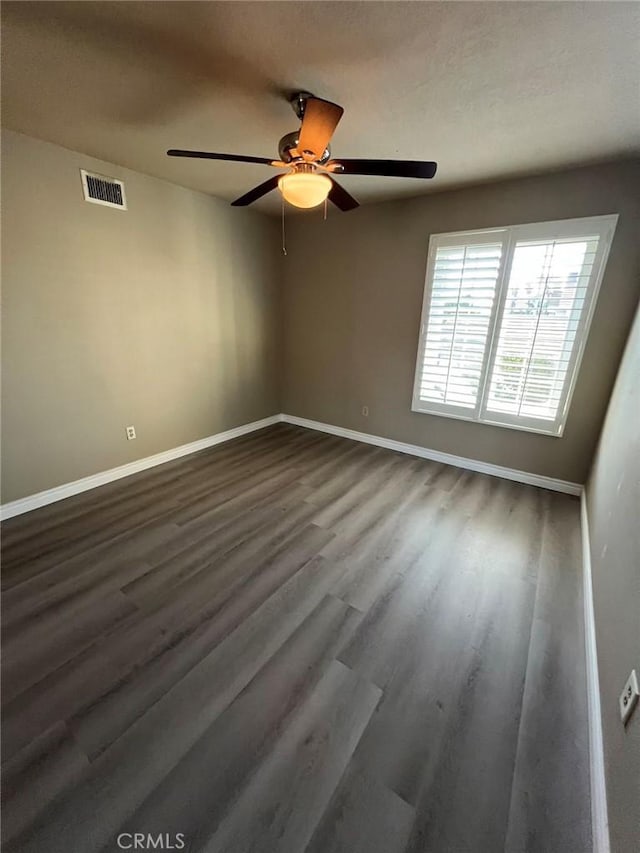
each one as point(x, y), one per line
point(284, 248)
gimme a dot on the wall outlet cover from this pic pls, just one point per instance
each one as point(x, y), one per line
point(629, 697)
point(131, 432)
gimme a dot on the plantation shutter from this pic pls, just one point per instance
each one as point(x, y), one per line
point(506, 314)
point(455, 334)
point(545, 298)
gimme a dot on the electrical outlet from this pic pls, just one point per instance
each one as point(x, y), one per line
point(629, 697)
point(131, 432)
point(365, 411)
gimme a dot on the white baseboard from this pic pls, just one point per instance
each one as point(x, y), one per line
point(66, 490)
point(599, 816)
point(437, 456)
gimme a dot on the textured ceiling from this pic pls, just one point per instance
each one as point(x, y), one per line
point(488, 89)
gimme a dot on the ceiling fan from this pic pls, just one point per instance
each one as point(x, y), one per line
point(305, 152)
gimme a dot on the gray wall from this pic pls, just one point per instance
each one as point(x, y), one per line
point(613, 502)
point(353, 295)
point(168, 316)
point(164, 316)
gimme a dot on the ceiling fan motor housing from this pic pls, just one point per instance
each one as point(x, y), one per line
point(289, 143)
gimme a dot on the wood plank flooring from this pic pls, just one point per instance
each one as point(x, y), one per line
point(294, 643)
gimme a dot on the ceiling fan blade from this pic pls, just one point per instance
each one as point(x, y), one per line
point(384, 168)
point(341, 198)
point(256, 192)
point(209, 155)
point(319, 121)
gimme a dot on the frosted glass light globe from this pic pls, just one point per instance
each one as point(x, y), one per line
point(304, 189)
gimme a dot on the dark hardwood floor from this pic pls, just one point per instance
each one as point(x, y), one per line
point(294, 643)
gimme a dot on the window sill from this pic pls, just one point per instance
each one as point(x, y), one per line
point(550, 433)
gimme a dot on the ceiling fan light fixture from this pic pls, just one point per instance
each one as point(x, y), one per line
point(304, 189)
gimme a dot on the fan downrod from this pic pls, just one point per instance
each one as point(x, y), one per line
point(298, 103)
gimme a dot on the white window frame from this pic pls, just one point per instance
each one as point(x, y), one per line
point(601, 226)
